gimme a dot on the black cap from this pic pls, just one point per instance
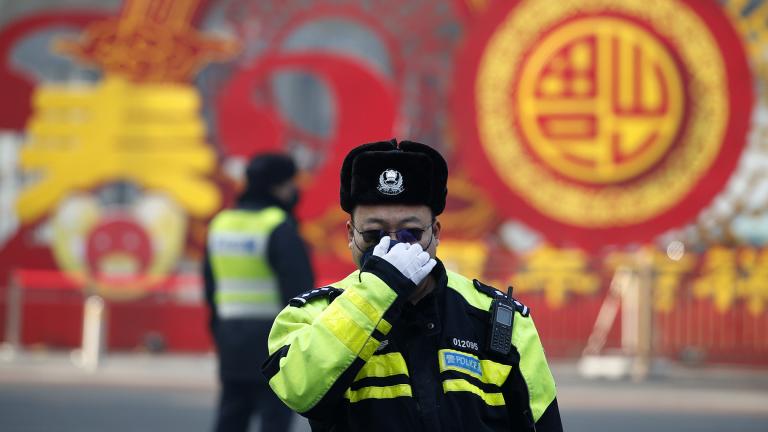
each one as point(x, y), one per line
point(269, 169)
point(388, 172)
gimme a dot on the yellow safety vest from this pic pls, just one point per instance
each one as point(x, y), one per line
point(246, 287)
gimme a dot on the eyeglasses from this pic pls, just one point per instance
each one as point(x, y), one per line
point(403, 235)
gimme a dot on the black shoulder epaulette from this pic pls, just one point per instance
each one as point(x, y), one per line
point(494, 293)
point(326, 291)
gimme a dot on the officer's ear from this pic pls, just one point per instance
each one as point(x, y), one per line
point(350, 234)
point(436, 228)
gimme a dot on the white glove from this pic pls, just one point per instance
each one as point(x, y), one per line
point(409, 259)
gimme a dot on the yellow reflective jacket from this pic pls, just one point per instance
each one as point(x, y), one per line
point(356, 356)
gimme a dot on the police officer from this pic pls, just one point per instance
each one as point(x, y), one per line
point(255, 262)
point(402, 344)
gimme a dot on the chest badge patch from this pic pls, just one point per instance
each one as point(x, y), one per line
point(461, 362)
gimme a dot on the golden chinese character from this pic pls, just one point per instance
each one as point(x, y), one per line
point(142, 123)
point(753, 286)
point(150, 134)
point(667, 273)
point(557, 272)
point(719, 275)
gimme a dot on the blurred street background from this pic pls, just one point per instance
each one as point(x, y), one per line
point(607, 158)
point(46, 392)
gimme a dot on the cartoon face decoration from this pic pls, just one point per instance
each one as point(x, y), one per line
point(390, 182)
point(120, 250)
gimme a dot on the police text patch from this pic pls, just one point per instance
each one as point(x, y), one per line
point(462, 362)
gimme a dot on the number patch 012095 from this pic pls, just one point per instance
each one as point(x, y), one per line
point(462, 343)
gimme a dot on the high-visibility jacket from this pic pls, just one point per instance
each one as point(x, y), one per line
point(357, 356)
point(246, 286)
point(260, 263)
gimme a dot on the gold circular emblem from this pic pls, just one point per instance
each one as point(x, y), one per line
point(600, 100)
point(600, 113)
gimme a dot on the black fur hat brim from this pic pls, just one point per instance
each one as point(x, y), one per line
point(388, 172)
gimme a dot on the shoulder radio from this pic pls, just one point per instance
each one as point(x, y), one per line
point(502, 318)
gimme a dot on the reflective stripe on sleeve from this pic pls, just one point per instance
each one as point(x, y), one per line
point(383, 365)
point(369, 348)
point(363, 306)
point(339, 322)
point(303, 378)
point(384, 327)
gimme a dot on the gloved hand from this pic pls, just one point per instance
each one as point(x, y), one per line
point(409, 259)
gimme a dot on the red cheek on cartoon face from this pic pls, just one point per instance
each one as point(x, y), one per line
point(118, 248)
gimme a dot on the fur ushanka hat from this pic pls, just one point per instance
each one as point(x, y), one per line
point(388, 172)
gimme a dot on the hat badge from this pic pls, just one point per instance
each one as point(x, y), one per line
point(390, 182)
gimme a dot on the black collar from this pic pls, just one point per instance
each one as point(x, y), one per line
point(437, 294)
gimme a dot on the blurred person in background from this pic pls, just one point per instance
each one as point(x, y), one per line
point(255, 262)
point(402, 344)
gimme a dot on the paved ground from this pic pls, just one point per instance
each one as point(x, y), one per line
point(137, 392)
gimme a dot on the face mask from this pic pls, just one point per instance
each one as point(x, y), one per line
point(291, 202)
point(369, 252)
